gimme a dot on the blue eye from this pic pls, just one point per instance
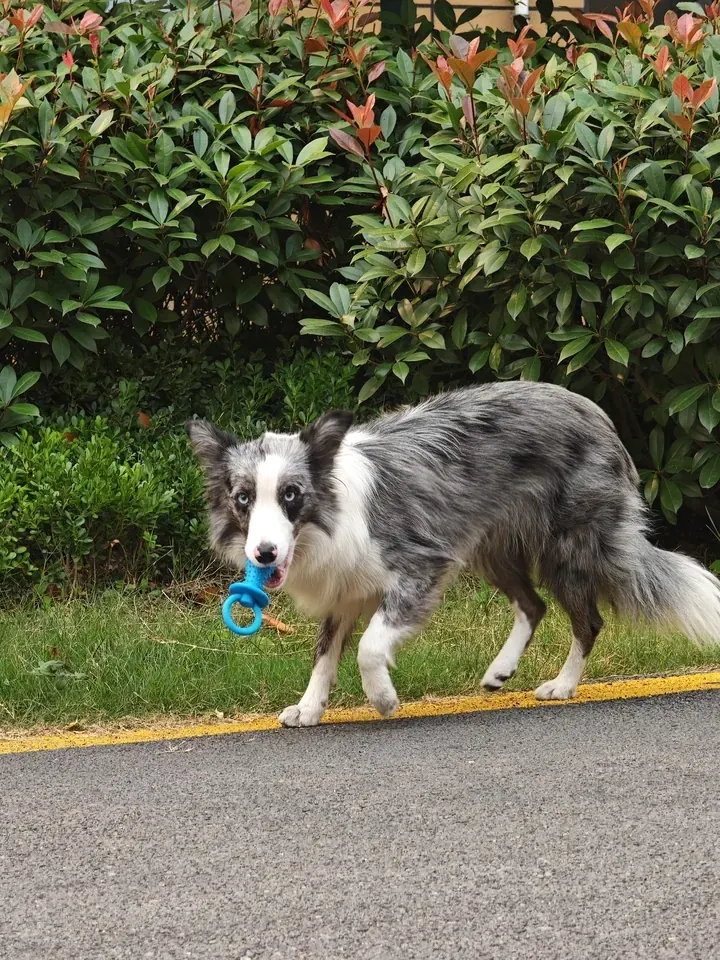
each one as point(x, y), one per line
point(290, 494)
point(243, 499)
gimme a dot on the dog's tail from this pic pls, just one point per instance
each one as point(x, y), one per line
point(671, 590)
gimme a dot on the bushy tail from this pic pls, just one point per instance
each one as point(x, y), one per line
point(671, 589)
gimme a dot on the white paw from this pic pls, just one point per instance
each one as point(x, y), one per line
point(301, 715)
point(381, 694)
point(557, 689)
point(496, 675)
point(376, 680)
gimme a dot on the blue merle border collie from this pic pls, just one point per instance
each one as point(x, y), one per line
point(519, 482)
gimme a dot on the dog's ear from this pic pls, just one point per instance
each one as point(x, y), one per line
point(325, 436)
point(209, 443)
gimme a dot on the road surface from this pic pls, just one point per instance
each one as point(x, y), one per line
point(580, 832)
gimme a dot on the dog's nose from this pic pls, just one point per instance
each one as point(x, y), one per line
point(266, 553)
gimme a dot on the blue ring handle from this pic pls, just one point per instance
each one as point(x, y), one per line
point(230, 623)
point(248, 593)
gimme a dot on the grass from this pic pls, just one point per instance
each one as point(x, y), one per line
point(124, 656)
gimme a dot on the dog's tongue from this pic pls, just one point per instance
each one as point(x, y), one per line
point(278, 576)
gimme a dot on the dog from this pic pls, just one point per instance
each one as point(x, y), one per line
point(518, 482)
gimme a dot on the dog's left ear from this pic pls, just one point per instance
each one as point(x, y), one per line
point(325, 436)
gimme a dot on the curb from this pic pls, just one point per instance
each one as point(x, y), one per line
point(448, 706)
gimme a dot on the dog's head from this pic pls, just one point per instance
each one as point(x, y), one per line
point(262, 493)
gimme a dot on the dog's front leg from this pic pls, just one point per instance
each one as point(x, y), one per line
point(334, 634)
point(400, 615)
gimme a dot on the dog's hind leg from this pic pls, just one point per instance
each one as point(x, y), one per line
point(334, 634)
point(401, 614)
point(586, 625)
point(513, 580)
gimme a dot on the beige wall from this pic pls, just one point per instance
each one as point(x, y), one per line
point(499, 14)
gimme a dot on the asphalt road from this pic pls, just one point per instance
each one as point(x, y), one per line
point(575, 832)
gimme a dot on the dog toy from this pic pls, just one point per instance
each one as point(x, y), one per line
point(248, 593)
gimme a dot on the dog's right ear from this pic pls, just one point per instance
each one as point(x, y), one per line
point(209, 443)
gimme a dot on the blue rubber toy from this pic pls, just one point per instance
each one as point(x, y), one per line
point(249, 593)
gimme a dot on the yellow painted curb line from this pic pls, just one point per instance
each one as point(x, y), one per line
point(587, 693)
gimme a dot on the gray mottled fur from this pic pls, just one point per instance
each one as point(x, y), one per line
point(521, 482)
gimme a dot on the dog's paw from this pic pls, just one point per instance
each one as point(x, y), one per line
point(496, 675)
point(301, 715)
point(557, 689)
point(385, 700)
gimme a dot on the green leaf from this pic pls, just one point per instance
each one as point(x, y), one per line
point(459, 329)
point(554, 112)
point(530, 247)
point(158, 203)
point(226, 110)
point(692, 252)
point(589, 292)
point(615, 239)
point(597, 224)
point(587, 138)
point(681, 298)
point(670, 496)
point(587, 65)
point(161, 277)
point(200, 142)
point(696, 328)
point(8, 379)
point(101, 123)
point(25, 409)
point(322, 328)
point(496, 261)
point(479, 359)
point(416, 261)
point(388, 120)
point(657, 446)
point(322, 300)
point(685, 398)
point(580, 359)
point(340, 297)
point(710, 473)
point(21, 291)
point(517, 301)
point(398, 209)
point(369, 388)
point(605, 141)
point(401, 370)
point(574, 346)
point(432, 338)
point(655, 179)
point(617, 352)
point(27, 333)
point(314, 150)
point(26, 381)
point(61, 348)
point(708, 415)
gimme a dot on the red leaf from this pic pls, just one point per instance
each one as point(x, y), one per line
point(57, 26)
point(681, 121)
point(367, 18)
point(347, 142)
point(377, 71)
point(368, 135)
point(91, 21)
point(703, 92)
point(467, 109)
point(315, 44)
point(143, 419)
point(282, 103)
point(681, 88)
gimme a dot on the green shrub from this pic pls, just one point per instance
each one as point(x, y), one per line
point(561, 223)
point(94, 498)
point(164, 176)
